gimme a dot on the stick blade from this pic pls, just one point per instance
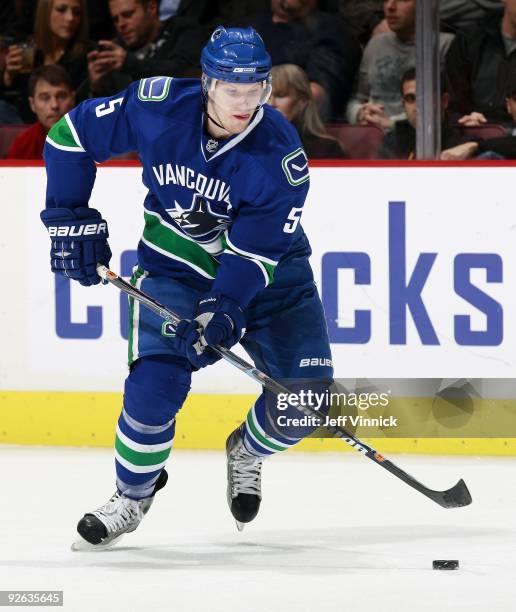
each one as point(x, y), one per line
point(456, 497)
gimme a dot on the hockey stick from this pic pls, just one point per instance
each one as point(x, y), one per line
point(455, 497)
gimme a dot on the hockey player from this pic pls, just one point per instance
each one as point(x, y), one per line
point(222, 245)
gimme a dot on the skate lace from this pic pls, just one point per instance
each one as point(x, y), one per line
point(245, 473)
point(119, 513)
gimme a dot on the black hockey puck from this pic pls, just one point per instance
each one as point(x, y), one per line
point(445, 564)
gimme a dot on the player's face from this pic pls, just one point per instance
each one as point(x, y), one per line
point(409, 102)
point(233, 104)
point(287, 102)
point(400, 15)
point(51, 102)
point(511, 107)
point(133, 21)
point(410, 106)
point(65, 18)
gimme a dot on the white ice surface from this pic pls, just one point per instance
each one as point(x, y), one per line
point(335, 532)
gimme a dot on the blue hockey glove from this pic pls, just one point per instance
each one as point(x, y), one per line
point(79, 242)
point(187, 342)
point(219, 321)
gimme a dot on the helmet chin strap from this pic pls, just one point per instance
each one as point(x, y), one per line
point(216, 122)
point(212, 119)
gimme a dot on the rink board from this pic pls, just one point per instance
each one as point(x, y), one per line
point(450, 230)
point(89, 419)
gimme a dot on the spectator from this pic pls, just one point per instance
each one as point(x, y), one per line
point(144, 47)
point(292, 96)
point(209, 13)
point(51, 96)
point(363, 16)
point(386, 57)
point(462, 14)
point(237, 11)
point(168, 8)
point(99, 22)
point(295, 32)
point(479, 64)
point(510, 100)
point(9, 114)
point(503, 147)
point(101, 25)
point(60, 37)
point(400, 143)
point(20, 25)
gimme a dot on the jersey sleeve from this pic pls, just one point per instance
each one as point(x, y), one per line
point(92, 132)
point(265, 224)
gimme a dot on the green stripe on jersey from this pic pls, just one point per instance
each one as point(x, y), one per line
point(171, 241)
point(269, 268)
point(180, 248)
point(61, 134)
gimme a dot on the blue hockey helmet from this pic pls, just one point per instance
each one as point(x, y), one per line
point(237, 55)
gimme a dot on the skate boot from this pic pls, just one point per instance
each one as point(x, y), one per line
point(104, 527)
point(244, 479)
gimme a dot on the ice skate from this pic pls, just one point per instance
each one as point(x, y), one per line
point(244, 479)
point(105, 526)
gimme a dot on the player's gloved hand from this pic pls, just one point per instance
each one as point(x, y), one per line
point(219, 320)
point(79, 242)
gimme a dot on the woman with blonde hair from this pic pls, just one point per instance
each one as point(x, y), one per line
point(292, 96)
point(60, 37)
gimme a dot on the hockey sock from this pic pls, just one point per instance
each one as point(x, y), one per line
point(154, 392)
point(259, 438)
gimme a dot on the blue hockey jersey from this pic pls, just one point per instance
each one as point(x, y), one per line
point(226, 210)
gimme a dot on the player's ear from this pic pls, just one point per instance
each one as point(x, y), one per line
point(31, 104)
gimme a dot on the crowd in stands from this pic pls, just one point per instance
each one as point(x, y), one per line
point(336, 62)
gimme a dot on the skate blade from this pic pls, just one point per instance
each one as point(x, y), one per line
point(81, 545)
point(240, 526)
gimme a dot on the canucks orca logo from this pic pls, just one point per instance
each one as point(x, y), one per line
point(201, 221)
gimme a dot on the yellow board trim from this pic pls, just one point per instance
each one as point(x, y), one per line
point(89, 419)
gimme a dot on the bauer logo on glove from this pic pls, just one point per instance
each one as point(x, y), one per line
point(75, 231)
point(79, 242)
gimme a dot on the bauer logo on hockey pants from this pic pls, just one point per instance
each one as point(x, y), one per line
point(316, 361)
point(75, 231)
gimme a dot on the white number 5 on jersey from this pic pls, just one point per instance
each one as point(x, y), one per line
point(105, 109)
point(294, 217)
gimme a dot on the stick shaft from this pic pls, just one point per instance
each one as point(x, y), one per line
point(443, 498)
